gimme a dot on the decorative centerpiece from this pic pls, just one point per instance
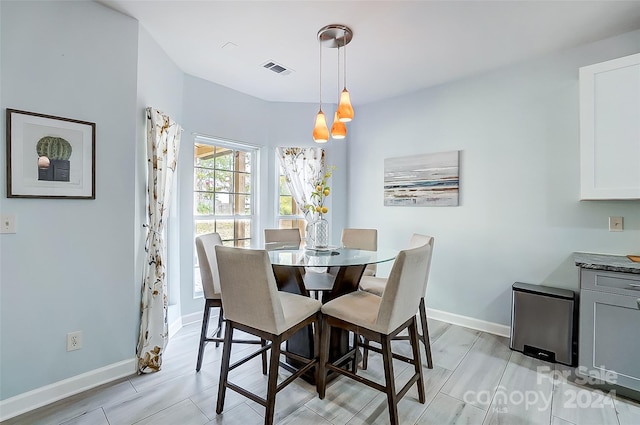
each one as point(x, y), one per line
point(318, 227)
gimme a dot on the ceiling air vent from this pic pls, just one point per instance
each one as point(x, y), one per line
point(277, 68)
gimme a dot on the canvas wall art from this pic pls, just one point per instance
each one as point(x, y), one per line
point(422, 180)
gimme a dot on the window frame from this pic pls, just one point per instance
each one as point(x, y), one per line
point(234, 217)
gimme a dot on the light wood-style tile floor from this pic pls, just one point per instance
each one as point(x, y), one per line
point(476, 379)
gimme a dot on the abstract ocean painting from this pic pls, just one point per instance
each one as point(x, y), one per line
point(422, 180)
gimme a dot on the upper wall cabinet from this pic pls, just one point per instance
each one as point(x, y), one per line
point(610, 129)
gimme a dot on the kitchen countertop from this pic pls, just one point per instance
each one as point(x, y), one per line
point(612, 263)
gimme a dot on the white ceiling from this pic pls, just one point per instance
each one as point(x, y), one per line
point(398, 46)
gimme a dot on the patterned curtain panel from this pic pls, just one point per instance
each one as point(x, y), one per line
point(163, 142)
point(302, 168)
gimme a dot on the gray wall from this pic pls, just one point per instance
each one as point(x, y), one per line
point(77, 264)
point(70, 266)
point(519, 217)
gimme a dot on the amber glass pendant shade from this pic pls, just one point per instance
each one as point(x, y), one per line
point(338, 129)
point(345, 110)
point(321, 131)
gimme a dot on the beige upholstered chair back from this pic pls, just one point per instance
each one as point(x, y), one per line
point(404, 287)
point(362, 239)
point(419, 240)
point(282, 239)
point(205, 249)
point(249, 291)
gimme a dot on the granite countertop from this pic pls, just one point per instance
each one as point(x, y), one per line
point(612, 263)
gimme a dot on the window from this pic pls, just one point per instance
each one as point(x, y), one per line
point(290, 215)
point(223, 194)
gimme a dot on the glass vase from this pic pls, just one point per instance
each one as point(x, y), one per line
point(319, 233)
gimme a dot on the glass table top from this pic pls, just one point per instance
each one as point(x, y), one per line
point(331, 257)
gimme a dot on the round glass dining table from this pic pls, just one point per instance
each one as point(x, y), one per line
point(330, 257)
point(340, 273)
point(344, 267)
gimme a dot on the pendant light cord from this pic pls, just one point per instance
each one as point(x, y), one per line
point(344, 45)
point(320, 73)
point(338, 75)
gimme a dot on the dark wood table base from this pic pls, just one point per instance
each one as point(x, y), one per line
point(290, 279)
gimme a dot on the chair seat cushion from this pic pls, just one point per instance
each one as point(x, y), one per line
point(296, 308)
point(359, 307)
point(374, 285)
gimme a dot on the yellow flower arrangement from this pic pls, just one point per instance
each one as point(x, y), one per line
point(318, 196)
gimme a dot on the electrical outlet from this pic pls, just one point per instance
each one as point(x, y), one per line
point(7, 223)
point(615, 224)
point(74, 340)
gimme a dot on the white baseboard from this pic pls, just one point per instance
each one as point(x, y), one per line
point(194, 317)
point(42, 396)
point(469, 322)
point(175, 326)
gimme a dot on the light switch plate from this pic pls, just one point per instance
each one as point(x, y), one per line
point(616, 224)
point(7, 223)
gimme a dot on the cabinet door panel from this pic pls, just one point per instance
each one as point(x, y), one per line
point(610, 129)
point(610, 336)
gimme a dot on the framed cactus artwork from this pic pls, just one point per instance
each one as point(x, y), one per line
point(50, 157)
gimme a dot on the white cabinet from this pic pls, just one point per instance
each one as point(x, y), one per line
point(610, 129)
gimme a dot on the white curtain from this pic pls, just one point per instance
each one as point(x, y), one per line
point(303, 167)
point(163, 142)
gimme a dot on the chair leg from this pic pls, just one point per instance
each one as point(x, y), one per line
point(425, 333)
point(272, 382)
point(316, 346)
point(220, 321)
point(224, 367)
point(263, 342)
point(417, 363)
point(365, 354)
point(392, 397)
point(325, 336)
point(354, 361)
point(203, 334)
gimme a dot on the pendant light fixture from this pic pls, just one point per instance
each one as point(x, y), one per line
point(338, 129)
point(334, 36)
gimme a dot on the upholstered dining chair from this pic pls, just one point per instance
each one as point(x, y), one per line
point(377, 285)
point(282, 238)
point(380, 319)
point(254, 305)
point(205, 250)
point(316, 279)
point(366, 239)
